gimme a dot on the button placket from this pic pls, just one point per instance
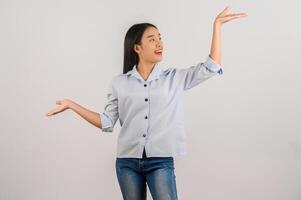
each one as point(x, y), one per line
point(147, 101)
point(145, 117)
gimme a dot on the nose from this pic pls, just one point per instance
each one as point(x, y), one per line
point(160, 44)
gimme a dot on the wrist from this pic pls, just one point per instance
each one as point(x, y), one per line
point(71, 104)
point(217, 25)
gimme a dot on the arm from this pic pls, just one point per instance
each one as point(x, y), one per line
point(215, 52)
point(194, 75)
point(88, 115)
point(105, 120)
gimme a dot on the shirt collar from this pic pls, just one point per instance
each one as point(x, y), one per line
point(155, 73)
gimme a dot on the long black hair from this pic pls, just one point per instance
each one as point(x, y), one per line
point(133, 36)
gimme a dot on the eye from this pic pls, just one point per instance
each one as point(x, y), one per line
point(152, 40)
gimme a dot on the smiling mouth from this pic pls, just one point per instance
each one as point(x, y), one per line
point(159, 52)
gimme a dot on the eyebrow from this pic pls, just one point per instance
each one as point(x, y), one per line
point(152, 35)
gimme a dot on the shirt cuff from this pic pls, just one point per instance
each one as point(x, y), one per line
point(106, 125)
point(212, 66)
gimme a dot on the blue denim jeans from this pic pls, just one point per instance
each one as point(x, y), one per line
point(157, 172)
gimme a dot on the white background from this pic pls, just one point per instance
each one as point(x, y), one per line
point(243, 128)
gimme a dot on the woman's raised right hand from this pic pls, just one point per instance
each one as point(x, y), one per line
point(62, 105)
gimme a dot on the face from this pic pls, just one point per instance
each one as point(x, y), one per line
point(151, 47)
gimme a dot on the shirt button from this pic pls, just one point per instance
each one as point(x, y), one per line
point(145, 85)
point(144, 135)
point(146, 99)
point(145, 117)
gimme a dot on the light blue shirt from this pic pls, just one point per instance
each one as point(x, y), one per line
point(151, 111)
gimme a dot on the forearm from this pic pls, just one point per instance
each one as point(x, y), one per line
point(215, 52)
point(88, 115)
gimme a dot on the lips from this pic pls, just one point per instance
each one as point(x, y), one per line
point(159, 52)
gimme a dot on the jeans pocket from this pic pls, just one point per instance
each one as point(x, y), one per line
point(169, 162)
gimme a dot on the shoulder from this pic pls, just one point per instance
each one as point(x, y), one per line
point(169, 70)
point(119, 78)
point(115, 80)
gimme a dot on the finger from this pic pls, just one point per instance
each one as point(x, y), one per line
point(226, 9)
point(58, 102)
point(230, 17)
point(241, 14)
point(50, 113)
point(237, 14)
point(226, 19)
point(54, 111)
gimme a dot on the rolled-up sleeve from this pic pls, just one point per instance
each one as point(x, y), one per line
point(110, 114)
point(194, 75)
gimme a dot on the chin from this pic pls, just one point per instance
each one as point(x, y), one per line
point(158, 60)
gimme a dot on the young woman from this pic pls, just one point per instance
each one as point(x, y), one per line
point(147, 100)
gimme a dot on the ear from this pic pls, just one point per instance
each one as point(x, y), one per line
point(136, 48)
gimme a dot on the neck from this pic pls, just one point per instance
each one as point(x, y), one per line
point(145, 68)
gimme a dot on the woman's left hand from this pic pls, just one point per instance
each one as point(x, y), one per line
point(215, 52)
point(225, 17)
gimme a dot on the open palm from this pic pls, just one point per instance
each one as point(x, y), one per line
point(224, 16)
point(63, 105)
